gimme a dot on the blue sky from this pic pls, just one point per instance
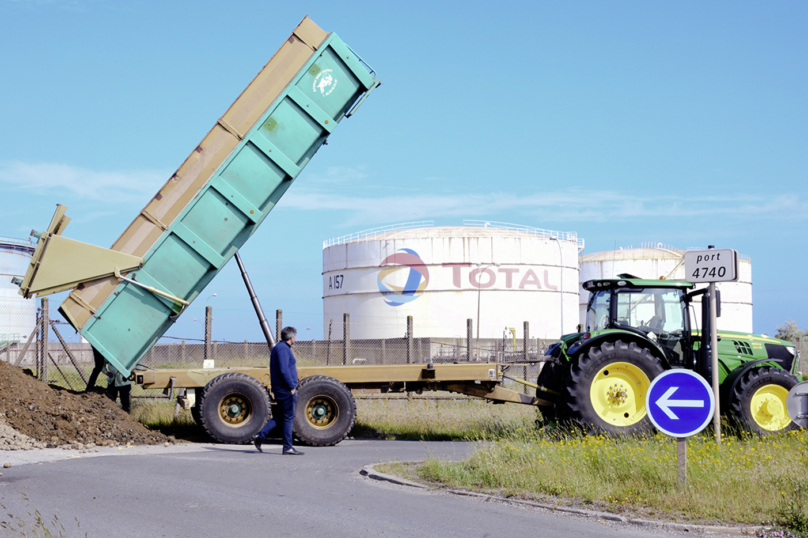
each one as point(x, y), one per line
point(682, 123)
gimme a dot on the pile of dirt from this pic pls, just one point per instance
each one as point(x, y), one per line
point(45, 416)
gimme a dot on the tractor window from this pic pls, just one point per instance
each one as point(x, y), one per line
point(597, 314)
point(660, 314)
point(651, 310)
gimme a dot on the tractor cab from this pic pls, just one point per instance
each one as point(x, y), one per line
point(654, 309)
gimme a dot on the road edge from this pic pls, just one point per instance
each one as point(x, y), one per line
point(369, 471)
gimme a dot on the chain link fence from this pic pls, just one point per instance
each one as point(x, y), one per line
point(68, 363)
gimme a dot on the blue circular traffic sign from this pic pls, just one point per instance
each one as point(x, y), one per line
point(680, 403)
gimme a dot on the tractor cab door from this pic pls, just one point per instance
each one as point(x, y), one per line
point(661, 314)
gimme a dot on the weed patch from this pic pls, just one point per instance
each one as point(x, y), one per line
point(746, 480)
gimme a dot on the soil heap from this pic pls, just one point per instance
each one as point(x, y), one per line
point(46, 416)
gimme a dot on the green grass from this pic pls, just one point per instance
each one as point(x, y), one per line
point(747, 479)
point(439, 420)
point(159, 415)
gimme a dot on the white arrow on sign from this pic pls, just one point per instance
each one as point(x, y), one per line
point(665, 403)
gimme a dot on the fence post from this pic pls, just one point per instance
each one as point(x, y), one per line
point(44, 349)
point(208, 331)
point(526, 351)
point(182, 353)
point(328, 349)
point(314, 349)
point(384, 352)
point(469, 337)
point(278, 324)
point(409, 340)
point(346, 338)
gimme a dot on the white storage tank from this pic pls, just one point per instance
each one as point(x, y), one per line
point(655, 260)
point(17, 315)
point(503, 274)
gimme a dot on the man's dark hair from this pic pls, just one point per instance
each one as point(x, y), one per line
point(287, 333)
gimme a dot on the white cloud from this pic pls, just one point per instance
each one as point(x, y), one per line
point(109, 186)
point(570, 205)
point(348, 192)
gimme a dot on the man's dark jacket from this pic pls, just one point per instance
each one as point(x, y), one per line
point(282, 369)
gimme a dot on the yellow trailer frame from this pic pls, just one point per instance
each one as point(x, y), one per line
point(232, 403)
point(480, 380)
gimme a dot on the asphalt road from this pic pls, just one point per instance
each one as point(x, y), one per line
point(224, 490)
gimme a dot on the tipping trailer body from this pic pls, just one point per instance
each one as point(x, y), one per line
point(220, 195)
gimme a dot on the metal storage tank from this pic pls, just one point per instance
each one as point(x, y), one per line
point(17, 315)
point(441, 275)
point(655, 260)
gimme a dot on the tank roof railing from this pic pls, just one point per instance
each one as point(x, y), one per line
point(681, 252)
point(25, 244)
point(527, 230)
point(374, 233)
point(368, 235)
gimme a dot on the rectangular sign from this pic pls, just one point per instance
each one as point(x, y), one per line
point(714, 265)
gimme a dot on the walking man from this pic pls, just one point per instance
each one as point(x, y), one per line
point(283, 377)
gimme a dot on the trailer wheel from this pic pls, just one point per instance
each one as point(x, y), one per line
point(233, 408)
point(607, 386)
point(325, 412)
point(759, 400)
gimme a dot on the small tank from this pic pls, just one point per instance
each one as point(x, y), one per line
point(17, 315)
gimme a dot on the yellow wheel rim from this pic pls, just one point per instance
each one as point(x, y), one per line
point(322, 412)
point(234, 409)
point(769, 408)
point(618, 394)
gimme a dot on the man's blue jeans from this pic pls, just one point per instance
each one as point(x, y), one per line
point(285, 417)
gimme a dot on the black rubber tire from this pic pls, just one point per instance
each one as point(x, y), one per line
point(340, 402)
point(552, 377)
point(247, 390)
point(745, 389)
point(576, 403)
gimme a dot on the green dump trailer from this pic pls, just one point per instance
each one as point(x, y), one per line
point(125, 298)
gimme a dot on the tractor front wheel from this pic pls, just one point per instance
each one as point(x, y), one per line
point(607, 386)
point(759, 400)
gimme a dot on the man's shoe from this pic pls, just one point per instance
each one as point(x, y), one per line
point(292, 452)
point(257, 442)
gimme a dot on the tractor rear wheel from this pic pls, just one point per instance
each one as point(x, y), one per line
point(606, 388)
point(759, 400)
point(551, 377)
point(233, 408)
point(325, 413)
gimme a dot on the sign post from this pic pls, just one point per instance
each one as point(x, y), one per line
point(711, 266)
point(680, 403)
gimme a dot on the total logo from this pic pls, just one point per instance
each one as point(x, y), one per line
point(416, 281)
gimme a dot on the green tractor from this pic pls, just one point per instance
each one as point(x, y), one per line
point(636, 329)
